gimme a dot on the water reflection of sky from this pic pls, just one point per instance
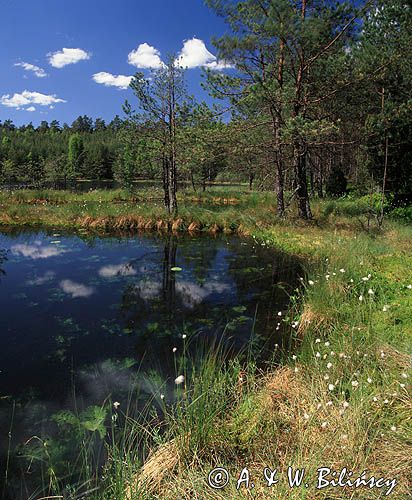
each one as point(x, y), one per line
point(105, 313)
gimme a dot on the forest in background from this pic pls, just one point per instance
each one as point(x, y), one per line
point(316, 100)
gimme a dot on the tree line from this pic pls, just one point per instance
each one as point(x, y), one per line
point(315, 100)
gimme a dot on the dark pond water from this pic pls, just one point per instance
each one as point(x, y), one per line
point(84, 318)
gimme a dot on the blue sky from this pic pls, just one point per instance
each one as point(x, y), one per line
point(103, 39)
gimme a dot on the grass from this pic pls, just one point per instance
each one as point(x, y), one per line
point(341, 398)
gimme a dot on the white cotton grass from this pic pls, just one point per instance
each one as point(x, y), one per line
point(179, 380)
point(116, 405)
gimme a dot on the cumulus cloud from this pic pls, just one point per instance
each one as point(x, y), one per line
point(27, 98)
point(36, 251)
point(112, 270)
point(67, 56)
point(76, 290)
point(109, 80)
point(145, 57)
point(194, 54)
point(31, 109)
point(43, 279)
point(39, 72)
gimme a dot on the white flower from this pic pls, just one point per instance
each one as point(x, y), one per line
point(329, 403)
point(116, 405)
point(326, 377)
point(369, 380)
point(351, 280)
point(365, 279)
point(344, 437)
point(382, 354)
point(296, 369)
point(402, 386)
point(385, 308)
point(294, 357)
point(318, 354)
point(319, 406)
point(404, 375)
point(311, 283)
point(393, 428)
point(409, 287)
point(306, 416)
point(386, 402)
point(280, 313)
point(317, 341)
point(184, 336)
point(329, 365)
point(375, 399)
point(331, 387)
point(341, 354)
point(327, 344)
point(345, 404)
point(360, 298)
point(162, 396)
point(179, 380)
point(332, 353)
point(355, 383)
point(174, 349)
point(342, 270)
point(371, 292)
point(324, 424)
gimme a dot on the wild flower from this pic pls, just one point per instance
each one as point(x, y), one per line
point(351, 280)
point(174, 349)
point(318, 355)
point(294, 357)
point(280, 313)
point(317, 341)
point(385, 308)
point(326, 377)
point(409, 287)
point(342, 270)
point(296, 369)
point(319, 406)
point(369, 380)
point(402, 386)
point(184, 336)
point(365, 278)
point(345, 404)
point(179, 380)
point(327, 344)
point(386, 401)
point(355, 383)
point(311, 283)
point(306, 416)
point(371, 292)
point(331, 387)
point(324, 424)
point(341, 354)
point(382, 354)
point(393, 428)
point(344, 437)
point(329, 365)
point(375, 399)
point(329, 403)
point(162, 396)
point(404, 375)
point(332, 353)
point(116, 405)
point(360, 298)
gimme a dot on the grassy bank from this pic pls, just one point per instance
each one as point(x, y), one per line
point(341, 399)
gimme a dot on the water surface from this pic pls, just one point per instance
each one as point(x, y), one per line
point(85, 318)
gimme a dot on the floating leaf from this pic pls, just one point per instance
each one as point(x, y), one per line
point(176, 269)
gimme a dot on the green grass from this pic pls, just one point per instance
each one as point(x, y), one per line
point(341, 398)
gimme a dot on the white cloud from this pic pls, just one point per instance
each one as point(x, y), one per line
point(36, 251)
point(76, 289)
point(109, 80)
point(194, 54)
point(31, 109)
point(39, 72)
point(41, 280)
point(27, 98)
point(112, 270)
point(67, 56)
point(145, 57)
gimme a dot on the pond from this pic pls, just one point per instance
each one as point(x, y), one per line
point(86, 318)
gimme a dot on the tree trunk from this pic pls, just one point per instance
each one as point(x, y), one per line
point(299, 166)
